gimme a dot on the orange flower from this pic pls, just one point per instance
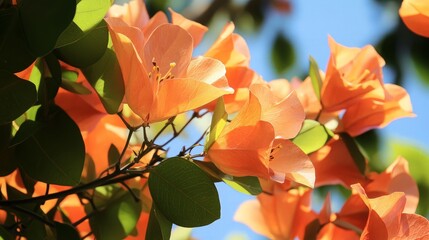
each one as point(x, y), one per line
point(307, 97)
point(335, 165)
point(377, 113)
point(231, 49)
point(282, 110)
point(386, 219)
point(380, 217)
point(155, 70)
point(396, 178)
point(415, 15)
point(352, 75)
point(246, 147)
point(134, 13)
point(282, 215)
point(239, 78)
point(305, 93)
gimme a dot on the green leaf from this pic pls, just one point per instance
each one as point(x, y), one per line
point(312, 136)
point(43, 22)
point(5, 135)
point(87, 50)
point(54, 68)
point(282, 54)
point(105, 77)
point(25, 131)
point(312, 230)
point(66, 231)
point(184, 193)
point(7, 160)
point(158, 226)
point(16, 96)
point(113, 155)
point(69, 83)
point(219, 120)
point(316, 79)
point(370, 142)
point(116, 214)
point(354, 151)
point(47, 84)
point(89, 13)
point(15, 55)
point(5, 234)
point(55, 153)
point(247, 185)
point(419, 47)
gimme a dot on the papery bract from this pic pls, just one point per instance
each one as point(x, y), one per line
point(386, 218)
point(415, 15)
point(134, 13)
point(246, 147)
point(153, 73)
point(352, 75)
point(232, 50)
point(334, 165)
point(377, 113)
point(282, 215)
point(396, 178)
point(283, 111)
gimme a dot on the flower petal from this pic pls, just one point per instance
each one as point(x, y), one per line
point(352, 75)
point(243, 151)
point(230, 48)
point(134, 13)
point(291, 162)
point(335, 165)
point(413, 226)
point(168, 44)
point(126, 40)
point(192, 94)
point(155, 21)
point(286, 114)
point(196, 30)
point(396, 178)
point(415, 15)
point(249, 213)
point(368, 114)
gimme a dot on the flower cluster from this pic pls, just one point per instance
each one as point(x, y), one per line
point(276, 139)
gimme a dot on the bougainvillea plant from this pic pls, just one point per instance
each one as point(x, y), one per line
point(92, 95)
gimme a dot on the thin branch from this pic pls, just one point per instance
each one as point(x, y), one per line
point(87, 216)
point(196, 144)
point(137, 199)
point(177, 133)
point(87, 235)
point(168, 123)
point(131, 128)
point(33, 215)
point(124, 150)
point(80, 188)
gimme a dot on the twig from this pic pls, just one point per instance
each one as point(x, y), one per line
point(32, 214)
point(118, 163)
